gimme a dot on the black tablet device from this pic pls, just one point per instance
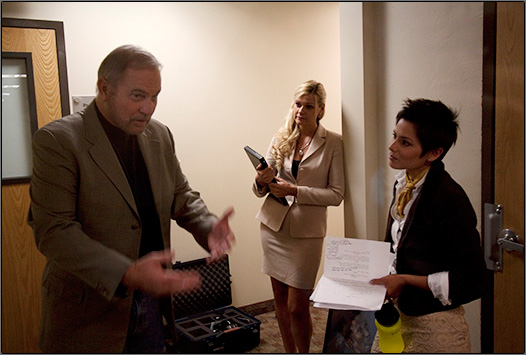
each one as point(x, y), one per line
point(257, 159)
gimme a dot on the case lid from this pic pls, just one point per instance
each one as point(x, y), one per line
point(215, 291)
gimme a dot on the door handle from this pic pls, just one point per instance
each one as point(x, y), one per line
point(510, 241)
point(497, 239)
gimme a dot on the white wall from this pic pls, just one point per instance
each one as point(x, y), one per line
point(359, 124)
point(421, 49)
point(434, 50)
point(230, 70)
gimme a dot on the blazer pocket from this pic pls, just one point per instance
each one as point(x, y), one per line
point(63, 286)
point(272, 213)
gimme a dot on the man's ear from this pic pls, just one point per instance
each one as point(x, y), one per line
point(434, 154)
point(103, 87)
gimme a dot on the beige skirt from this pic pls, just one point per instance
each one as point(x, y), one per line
point(293, 261)
point(441, 332)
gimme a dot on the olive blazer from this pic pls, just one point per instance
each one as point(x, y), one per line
point(86, 224)
point(320, 182)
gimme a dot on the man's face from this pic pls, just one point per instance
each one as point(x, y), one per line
point(129, 105)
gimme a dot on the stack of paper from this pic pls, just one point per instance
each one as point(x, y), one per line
point(349, 266)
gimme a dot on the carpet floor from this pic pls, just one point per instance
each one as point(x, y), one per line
point(270, 338)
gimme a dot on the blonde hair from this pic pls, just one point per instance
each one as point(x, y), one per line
point(285, 138)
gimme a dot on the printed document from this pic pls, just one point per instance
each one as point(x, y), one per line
point(349, 266)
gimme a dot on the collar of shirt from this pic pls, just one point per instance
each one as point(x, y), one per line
point(120, 140)
point(400, 186)
point(399, 222)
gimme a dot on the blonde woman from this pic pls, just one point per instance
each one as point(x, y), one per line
point(307, 161)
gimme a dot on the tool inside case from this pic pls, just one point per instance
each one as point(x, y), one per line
point(205, 320)
point(213, 323)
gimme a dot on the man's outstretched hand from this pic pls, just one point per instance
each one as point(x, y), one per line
point(221, 237)
point(153, 274)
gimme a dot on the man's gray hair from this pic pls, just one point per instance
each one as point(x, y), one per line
point(121, 58)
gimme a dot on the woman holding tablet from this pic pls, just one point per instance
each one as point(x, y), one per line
point(307, 162)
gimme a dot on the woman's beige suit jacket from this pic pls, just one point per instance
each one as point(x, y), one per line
point(87, 226)
point(320, 182)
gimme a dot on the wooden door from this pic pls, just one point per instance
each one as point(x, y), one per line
point(503, 170)
point(22, 263)
point(509, 174)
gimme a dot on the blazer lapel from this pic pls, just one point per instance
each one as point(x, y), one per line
point(430, 185)
point(317, 141)
point(104, 156)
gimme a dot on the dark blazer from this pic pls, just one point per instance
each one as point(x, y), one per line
point(440, 234)
point(320, 182)
point(86, 224)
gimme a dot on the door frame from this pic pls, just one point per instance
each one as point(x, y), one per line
point(488, 159)
point(24, 262)
point(58, 27)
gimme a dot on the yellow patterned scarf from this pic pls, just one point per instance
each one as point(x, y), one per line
point(407, 194)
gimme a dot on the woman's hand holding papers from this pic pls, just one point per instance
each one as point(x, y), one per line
point(394, 283)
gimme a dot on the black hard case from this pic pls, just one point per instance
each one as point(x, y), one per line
point(205, 322)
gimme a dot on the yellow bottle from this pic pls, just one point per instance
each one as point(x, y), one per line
point(388, 323)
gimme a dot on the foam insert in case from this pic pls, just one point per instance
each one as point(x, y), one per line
point(205, 320)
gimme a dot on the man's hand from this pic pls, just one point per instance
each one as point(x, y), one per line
point(153, 274)
point(221, 237)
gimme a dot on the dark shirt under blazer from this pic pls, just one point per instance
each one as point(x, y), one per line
point(440, 234)
point(87, 225)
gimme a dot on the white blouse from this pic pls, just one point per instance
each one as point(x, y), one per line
point(438, 282)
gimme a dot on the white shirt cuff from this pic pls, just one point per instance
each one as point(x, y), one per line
point(439, 285)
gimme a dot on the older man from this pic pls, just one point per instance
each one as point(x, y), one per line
point(106, 184)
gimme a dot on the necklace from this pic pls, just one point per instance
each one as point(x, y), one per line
point(305, 146)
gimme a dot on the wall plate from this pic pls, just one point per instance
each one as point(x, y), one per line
point(81, 102)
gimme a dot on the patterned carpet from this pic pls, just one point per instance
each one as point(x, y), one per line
point(270, 338)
